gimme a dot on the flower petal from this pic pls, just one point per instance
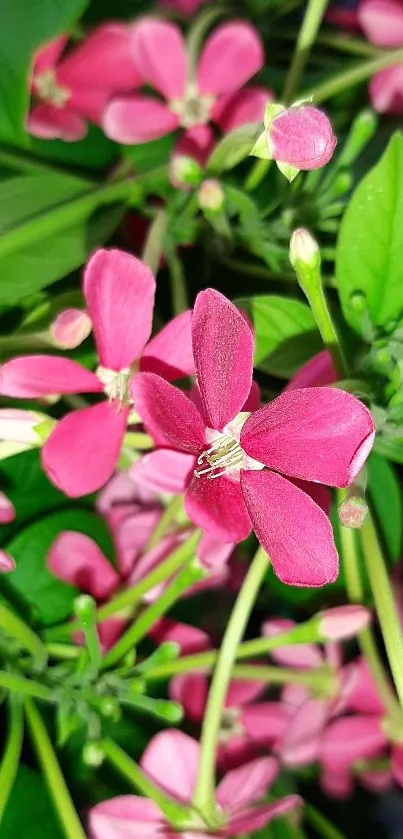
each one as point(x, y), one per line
point(50, 123)
point(119, 290)
point(7, 563)
point(293, 530)
point(303, 656)
point(78, 560)
point(230, 57)
point(223, 349)
point(382, 22)
point(219, 507)
point(81, 453)
point(351, 738)
point(246, 784)
point(171, 760)
point(385, 89)
point(265, 722)
point(397, 763)
point(159, 50)
point(301, 741)
point(242, 691)
point(132, 535)
point(317, 372)
point(137, 119)
point(197, 143)
point(33, 376)
point(170, 352)
point(240, 108)
point(126, 817)
point(169, 416)
point(317, 434)
point(212, 553)
point(163, 471)
point(363, 697)
point(190, 639)
point(7, 509)
point(102, 61)
point(47, 57)
point(257, 817)
point(191, 691)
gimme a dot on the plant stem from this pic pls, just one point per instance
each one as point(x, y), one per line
point(26, 637)
point(306, 37)
point(64, 807)
point(352, 76)
point(169, 515)
point(179, 297)
point(316, 678)
point(203, 798)
point(17, 684)
point(138, 440)
point(11, 756)
point(320, 823)
point(154, 245)
point(384, 602)
point(257, 173)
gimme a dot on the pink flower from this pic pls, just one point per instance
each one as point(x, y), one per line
point(315, 434)
point(302, 137)
point(70, 328)
point(382, 22)
point(186, 7)
point(70, 91)
point(247, 726)
point(7, 509)
point(171, 760)
point(232, 54)
point(7, 563)
point(82, 451)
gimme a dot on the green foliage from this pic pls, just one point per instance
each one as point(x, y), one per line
point(386, 497)
point(29, 811)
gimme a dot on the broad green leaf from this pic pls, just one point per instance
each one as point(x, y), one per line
point(23, 197)
point(233, 148)
point(29, 812)
point(24, 26)
point(286, 334)
point(384, 491)
point(389, 448)
point(51, 599)
point(26, 484)
point(370, 246)
point(94, 152)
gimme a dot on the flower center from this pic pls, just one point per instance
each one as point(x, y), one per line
point(225, 453)
point(231, 725)
point(192, 109)
point(46, 88)
point(116, 384)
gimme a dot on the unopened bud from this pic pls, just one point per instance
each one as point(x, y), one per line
point(19, 426)
point(7, 510)
point(110, 709)
point(7, 563)
point(184, 172)
point(302, 137)
point(70, 328)
point(85, 608)
point(353, 511)
point(93, 754)
point(211, 196)
point(304, 249)
point(343, 622)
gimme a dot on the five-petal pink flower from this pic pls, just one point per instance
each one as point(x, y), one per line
point(382, 22)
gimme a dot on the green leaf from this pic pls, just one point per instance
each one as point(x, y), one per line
point(26, 484)
point(370, 245)
point(23, 197)
point(24, 26)
point(389, 448)
point(29, 812)
point(50, 598)
point(386, 498)
point(233, 148)
point(286, 334)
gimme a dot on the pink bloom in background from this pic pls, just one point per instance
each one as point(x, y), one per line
point(7, 510)
point(315, 434)
point(382, 22)
point(317, 372)
point(302, 137)
point(185, 7)
point(232, 54)
point(81, 453)
point(171, 760)
point(70, 328)
point(73, 90)
point(7, 563)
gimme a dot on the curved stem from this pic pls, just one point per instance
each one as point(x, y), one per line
point(352, 76)
point(26, 637)
point(11, 756)
point(204, 792)
point(18, 684)
point(169, 515)
point(306, 38)
point(64, 807)
point(320, 823)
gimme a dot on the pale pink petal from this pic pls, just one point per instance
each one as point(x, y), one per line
point(245, 785)
point(301, 741)
point(47, 57)
point(257, 817)
point(78, 560)
point(151, 560)
point(397, 763)
point(132, 535)
point(301, 656)
point(349, 739)
point(7, 509)
point(126, 817)
point(170, 352)
point(191, 691)
point(240, 108)
point(343, 622)
point(241, 692)
point(218, 506)
point(163, 471)
point(291, 528)
point(363, 697)
point(385, 89)
point(137, 119)
point(337, 782)
point(223, 347)
point(212, 553)
point(50, 123)
point(196, 143)
point(103, 61)
point(317, 372)
point(119, 290)
point(168, 414)
point(123, 492)
point(318, 434)
point(171, 760)
point(70, 328)
point(190, 639)
point(17, 425)
point(265, 722)
point(33, 376)
point(159, 51)
point(231, 56)
point(7, 563)
point(110, 630)
point(81, 453)
point(293, 695)
point(382, 22)
point(88, 104)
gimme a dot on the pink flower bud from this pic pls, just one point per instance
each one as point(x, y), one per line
point(343, 622)
point(302, 137)
point(353, 511)
point(184, 172)
point(7, 511)
point(211, 196)
point(20, 427)
point(70, 328)
point(7, 563)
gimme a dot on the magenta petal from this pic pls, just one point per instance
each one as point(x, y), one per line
point(351, 738)
point(265, 722)
point(171, 760)
point(33, 376)
point(159, 51)
point(257, 817)
point(240, 108)
point(7, 509)
point(300, 744)
point(397, 763)
point(190, 639)
point(212, 553)
point(385, 89)
point(137, 119)
point(197, 143)
point(363, 697)
point(47, 57)
point(169, 416)
point(223, 349)
point(126, 817)
point(50, 123)
point(7, 563)
point(382, 22)
point(163, 471)
point(318, 434)
point(191, 691)
point(317, 372)
point(77, 559)
point(81, 453)
point(293, 530)
point(170, 352)
point(336, 782)
point(303, 656)
point(245, 785)
point(219, 507)
point(230, 57)
point(243, 691)
point(119, 290)
point(102, 61)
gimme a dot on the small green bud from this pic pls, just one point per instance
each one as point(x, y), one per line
point(93, 754)
point(304, 249)
point(85, 608)
point(211, 196)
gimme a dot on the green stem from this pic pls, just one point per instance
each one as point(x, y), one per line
point(154, 246)
point(384, 601)
point(64, 807)
point(138, 440)
point(257, 173)
point(17, 684)
point(11, 756)
point(320, 677)
point(28, 165)
point(179, 295)
point(320, 823)
point(169, 515)
point(63, 651)
point(204, 792)
point(306, 37)
point(26, 637)
point(352, 76)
